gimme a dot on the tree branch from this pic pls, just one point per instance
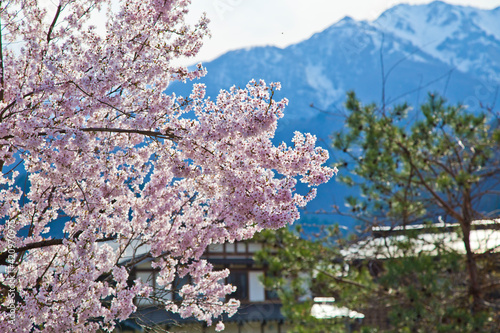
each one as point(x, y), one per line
point(53, 24)
point(426, 185)
point(1, 69)
point(155, 134)
point(41, 244)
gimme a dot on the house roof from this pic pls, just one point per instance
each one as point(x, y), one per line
point(253, 312)
point(323, 308)
point(386, 242)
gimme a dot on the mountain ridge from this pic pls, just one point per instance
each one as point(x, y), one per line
point(352, 48)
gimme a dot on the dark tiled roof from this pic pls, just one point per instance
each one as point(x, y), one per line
point(260, 312)
point(232, 261)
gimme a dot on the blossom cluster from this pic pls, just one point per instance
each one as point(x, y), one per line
point(131, 172)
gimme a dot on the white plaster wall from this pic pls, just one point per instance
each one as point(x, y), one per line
point(256, 289)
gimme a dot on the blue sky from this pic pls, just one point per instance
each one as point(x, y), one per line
point(243, 23)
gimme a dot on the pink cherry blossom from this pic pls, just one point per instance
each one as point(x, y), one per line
point(135, 174)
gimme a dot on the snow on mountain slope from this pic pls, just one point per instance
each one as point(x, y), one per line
point(465, 37)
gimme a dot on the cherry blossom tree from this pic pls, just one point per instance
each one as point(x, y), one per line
point(134, 173)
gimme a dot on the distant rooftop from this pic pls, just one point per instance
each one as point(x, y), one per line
point(323, 308)
point(430, 239)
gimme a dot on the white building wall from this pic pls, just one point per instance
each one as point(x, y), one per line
point(256, 289)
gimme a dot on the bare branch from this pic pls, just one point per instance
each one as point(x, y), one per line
point(53, 24)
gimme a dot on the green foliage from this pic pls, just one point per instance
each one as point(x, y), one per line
point(440, 160)
point(408, 163)
point(292, 267)
point(410, 166)
point(417, 292)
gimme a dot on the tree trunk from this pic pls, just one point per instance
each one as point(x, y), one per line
point(474, 286)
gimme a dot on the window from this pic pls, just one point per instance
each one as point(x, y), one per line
point(240, 280)
point(148, 276)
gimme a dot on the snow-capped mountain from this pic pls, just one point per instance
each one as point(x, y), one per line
point(465, 37)
point(452, 50)
point(400, 57)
